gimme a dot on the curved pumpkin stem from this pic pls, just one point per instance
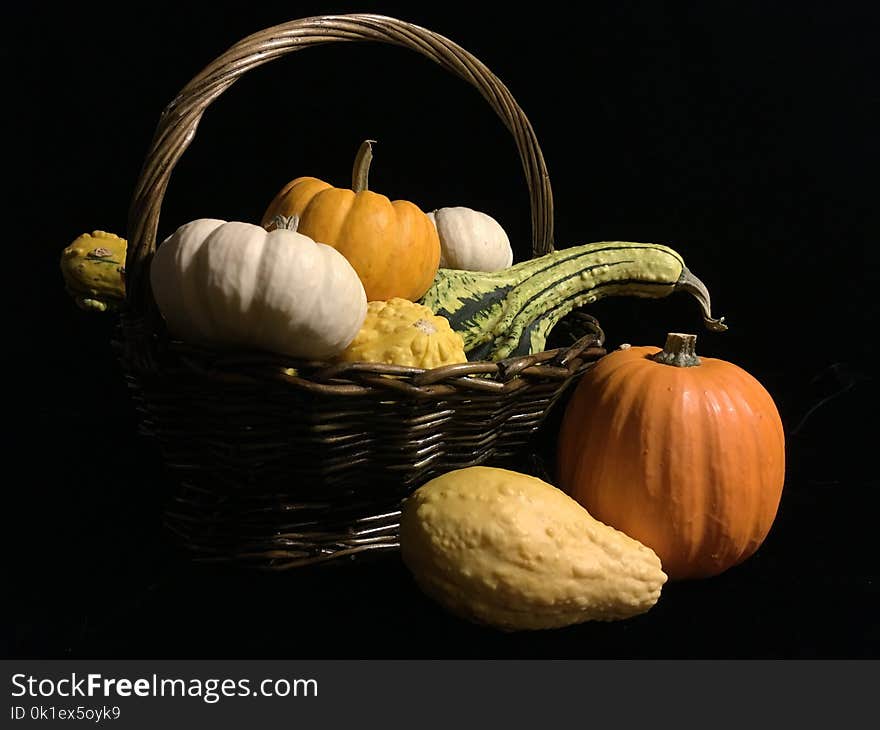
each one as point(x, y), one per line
point(361, 173)
point(679, 351)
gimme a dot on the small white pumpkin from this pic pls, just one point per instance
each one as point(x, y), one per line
point(236, 284)
point(471, 240)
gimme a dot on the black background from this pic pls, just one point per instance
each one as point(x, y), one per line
point(743, 134)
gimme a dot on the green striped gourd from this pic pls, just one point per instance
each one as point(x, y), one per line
point(509, 313)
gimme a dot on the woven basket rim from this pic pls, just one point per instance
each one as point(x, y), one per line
point(360, 378)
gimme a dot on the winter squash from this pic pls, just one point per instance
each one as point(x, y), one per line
point(511, 312)
point(401, 332)
point(684, 454)
point(511, 551)
point(93, 267)
point(393, 246)
point(471, 240)
point(236, 284)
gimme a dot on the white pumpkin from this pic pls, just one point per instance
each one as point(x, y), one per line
point(471, 240)
point(236, 284)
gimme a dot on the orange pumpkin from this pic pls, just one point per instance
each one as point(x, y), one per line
point(684, 454)
point(393, 246)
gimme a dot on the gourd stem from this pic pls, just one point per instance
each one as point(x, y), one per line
point(286, 222)
point(679, 351)
point(692, 285)
point(361, 173)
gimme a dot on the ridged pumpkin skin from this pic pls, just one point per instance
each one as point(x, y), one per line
point(393, 246)
point(233, 284)
point(689, 461)
point(471, 240)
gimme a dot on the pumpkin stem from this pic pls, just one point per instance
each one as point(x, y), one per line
point(285, 222)
point(692, 285)
point(361, 172)
point(679, 351)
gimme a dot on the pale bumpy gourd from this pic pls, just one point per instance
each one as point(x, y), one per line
point(471, 240)
point(401, 332)
point(235, 284)
point(511, 551)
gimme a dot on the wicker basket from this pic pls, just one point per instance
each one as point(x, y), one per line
point(283, 470)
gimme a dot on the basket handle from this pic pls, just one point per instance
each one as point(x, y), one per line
point(178, 123)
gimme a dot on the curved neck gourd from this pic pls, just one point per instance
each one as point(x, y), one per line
point(511, 312)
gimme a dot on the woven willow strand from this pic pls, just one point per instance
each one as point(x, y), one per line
point(178, 123)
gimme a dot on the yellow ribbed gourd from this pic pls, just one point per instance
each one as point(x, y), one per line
point(401, 332)
point(511, 551)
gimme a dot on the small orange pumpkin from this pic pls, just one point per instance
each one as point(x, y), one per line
point(393, 246)
point(684, 454)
